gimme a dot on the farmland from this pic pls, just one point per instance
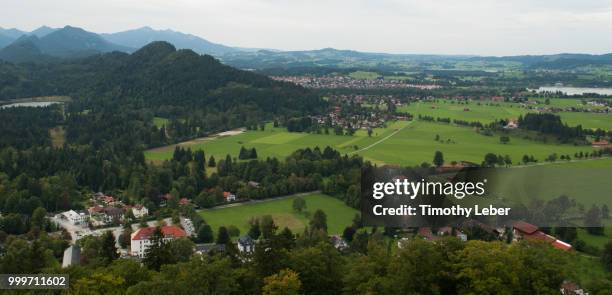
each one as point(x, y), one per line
point(583, 181)
point(412, 145)
point(488, 112)
point(338, 214)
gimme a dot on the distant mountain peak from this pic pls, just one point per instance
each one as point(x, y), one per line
point(43, 31)
point(140, 37)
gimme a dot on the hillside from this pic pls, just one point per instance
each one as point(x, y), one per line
point(160, 78)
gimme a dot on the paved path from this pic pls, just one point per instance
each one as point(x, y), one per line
point(382, 140)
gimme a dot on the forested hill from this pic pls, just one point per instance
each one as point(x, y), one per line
point(158, 77)
point(116, 96)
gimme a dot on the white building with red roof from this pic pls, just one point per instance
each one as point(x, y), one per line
point(527, 231)
point(141, 239)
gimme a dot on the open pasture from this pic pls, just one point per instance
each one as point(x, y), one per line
point(487, 111)
point(338, 214)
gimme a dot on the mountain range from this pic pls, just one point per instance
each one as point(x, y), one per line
point(48, 44)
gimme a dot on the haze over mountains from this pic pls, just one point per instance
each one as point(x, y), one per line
point(52, 44)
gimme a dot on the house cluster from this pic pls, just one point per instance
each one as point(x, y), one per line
point(104, 210)
point(521, 230)
point(338, 81)
point(165, 198)
point(361, 117)
point(525, 231)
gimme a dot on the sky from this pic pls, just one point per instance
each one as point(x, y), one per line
point(479, 27)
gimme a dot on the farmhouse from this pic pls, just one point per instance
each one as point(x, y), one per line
point(526, 231)
point(141, 239)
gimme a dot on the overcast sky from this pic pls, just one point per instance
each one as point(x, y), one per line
point(484, 27)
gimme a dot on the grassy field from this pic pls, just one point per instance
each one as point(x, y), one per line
point(364, 75)
point(275, 142)
point(486, 112)
point(583, 181)
point(596, 241)
point(159, 121)
point(588, 120)
point(412, 145)
point(338, 214)
point(415, 144)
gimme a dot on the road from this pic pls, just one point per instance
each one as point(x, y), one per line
point(77, 232)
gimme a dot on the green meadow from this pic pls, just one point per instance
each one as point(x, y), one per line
point(416, 144)
point(364, 75)
point(159, 121)
point(338, 214)
point(486, 112)
point(402, 142)
point(583, 181)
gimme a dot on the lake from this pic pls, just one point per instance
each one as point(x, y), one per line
point(30, 104)
point(576, 90)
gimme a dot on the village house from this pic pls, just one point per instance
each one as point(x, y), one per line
point(208, 248)
point(339, 243)
point(497, 98)
point(141, 239)
point(229, 197)
point(140, 211)
point(601, 144)
point(74, 217)
point(512, 124)
point(570, 288)
point(246, 244)
point(526, 231)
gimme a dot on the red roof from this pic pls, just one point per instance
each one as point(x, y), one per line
point(540, 236)
point(169, 231)
point(601, 142)
point(184, 201)
point(426, 233)
point(562, 245)
point(525, 227)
